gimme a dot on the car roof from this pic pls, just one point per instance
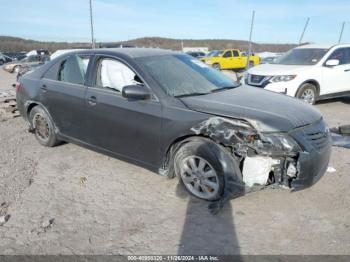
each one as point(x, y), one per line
point(322, 46)
point(131, 52)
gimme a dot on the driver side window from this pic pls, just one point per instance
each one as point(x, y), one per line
point(228, 54)
point(112, 74)
point(341, 54)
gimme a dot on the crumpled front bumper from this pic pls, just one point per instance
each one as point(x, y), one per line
point(313, 161)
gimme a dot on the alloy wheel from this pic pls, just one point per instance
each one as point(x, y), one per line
point(42, 127)
point(308, 96)
point(199, 177)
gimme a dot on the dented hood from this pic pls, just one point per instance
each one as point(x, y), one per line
point(267, 111)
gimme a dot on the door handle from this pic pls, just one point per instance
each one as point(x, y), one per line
point(92, 100)
point(347, 70)
point(44, 88)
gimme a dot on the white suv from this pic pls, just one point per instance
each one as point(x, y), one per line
point(308, 72)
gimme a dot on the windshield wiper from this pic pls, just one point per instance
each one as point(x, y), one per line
point(223, 88)
point(191, 94)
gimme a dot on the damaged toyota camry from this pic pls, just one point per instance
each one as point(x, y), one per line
point(174, 115)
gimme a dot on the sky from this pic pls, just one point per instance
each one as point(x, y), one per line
point(117, 20)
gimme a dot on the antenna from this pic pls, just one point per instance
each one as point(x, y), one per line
point(341, 32)
point(92, 27)
point(302, 34)
point(250, 39)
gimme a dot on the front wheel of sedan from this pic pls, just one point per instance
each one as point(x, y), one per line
point(307, 92)
point(43, 127)
point(200, 168)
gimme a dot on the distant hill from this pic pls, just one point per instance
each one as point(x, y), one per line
point(15, 44)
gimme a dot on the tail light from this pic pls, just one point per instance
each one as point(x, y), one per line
point(19, 87)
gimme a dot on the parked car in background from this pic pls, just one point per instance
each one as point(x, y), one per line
point(197, 55)
point(33, 60)
point(308, 72)
point(57, 53)
point(231, 59)
point(178, 117)
point(2, 59)
point(268, 60)
point(15, 56)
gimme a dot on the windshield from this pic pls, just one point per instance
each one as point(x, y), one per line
point(302, 56)
point(182, 75)
point(214, 53)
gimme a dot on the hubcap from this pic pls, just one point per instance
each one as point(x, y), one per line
point(41, 127)
point(199, 177)
point(308, 96)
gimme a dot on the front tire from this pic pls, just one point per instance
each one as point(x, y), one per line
point(200, 164)
point(308, 93)
point(43, 127)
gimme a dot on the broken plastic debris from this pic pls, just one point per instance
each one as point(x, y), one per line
point(83, 180)
point(48, 223)
point(4, 219)
point(331, 169)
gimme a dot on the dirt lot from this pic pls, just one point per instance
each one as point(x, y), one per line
point(70, 200)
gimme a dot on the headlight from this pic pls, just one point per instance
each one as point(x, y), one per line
point(279, 142)
point(283, 78)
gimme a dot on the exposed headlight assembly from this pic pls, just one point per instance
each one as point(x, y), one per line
point(280, 143)
point(283, 78)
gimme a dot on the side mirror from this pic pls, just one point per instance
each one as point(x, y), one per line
point(139, 92)
point(332, 62)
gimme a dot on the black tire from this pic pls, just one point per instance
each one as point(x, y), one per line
point(308, 93)
point(43, 127)
point(1, 62)
point(217, 158)
point(217, 66)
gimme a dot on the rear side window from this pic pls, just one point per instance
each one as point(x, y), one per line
point(235, 53)
point(73, 70)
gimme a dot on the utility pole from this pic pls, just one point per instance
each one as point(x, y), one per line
point(92, 27)
point(302, 34)
point(250, 39)
point(341, 32)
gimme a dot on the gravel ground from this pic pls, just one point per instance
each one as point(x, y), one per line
point(71, 200)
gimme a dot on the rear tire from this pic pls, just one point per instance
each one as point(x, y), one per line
point(43, 127)
point(308, 93)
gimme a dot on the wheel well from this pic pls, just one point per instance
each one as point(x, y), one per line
point(173, 147)
point(313, 82)
point(30, 107)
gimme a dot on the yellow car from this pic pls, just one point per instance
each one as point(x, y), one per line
point(230, 59)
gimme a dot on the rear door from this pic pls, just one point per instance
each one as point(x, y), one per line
point(130, 128)
point(63, 94)
point(336, 79)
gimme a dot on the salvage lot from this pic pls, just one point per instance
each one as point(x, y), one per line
point(70, 200)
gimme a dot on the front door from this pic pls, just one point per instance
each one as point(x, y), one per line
point(336, 79)
point(129, 128)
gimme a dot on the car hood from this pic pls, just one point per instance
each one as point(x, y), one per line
point(275, 69)
point(267, 111)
